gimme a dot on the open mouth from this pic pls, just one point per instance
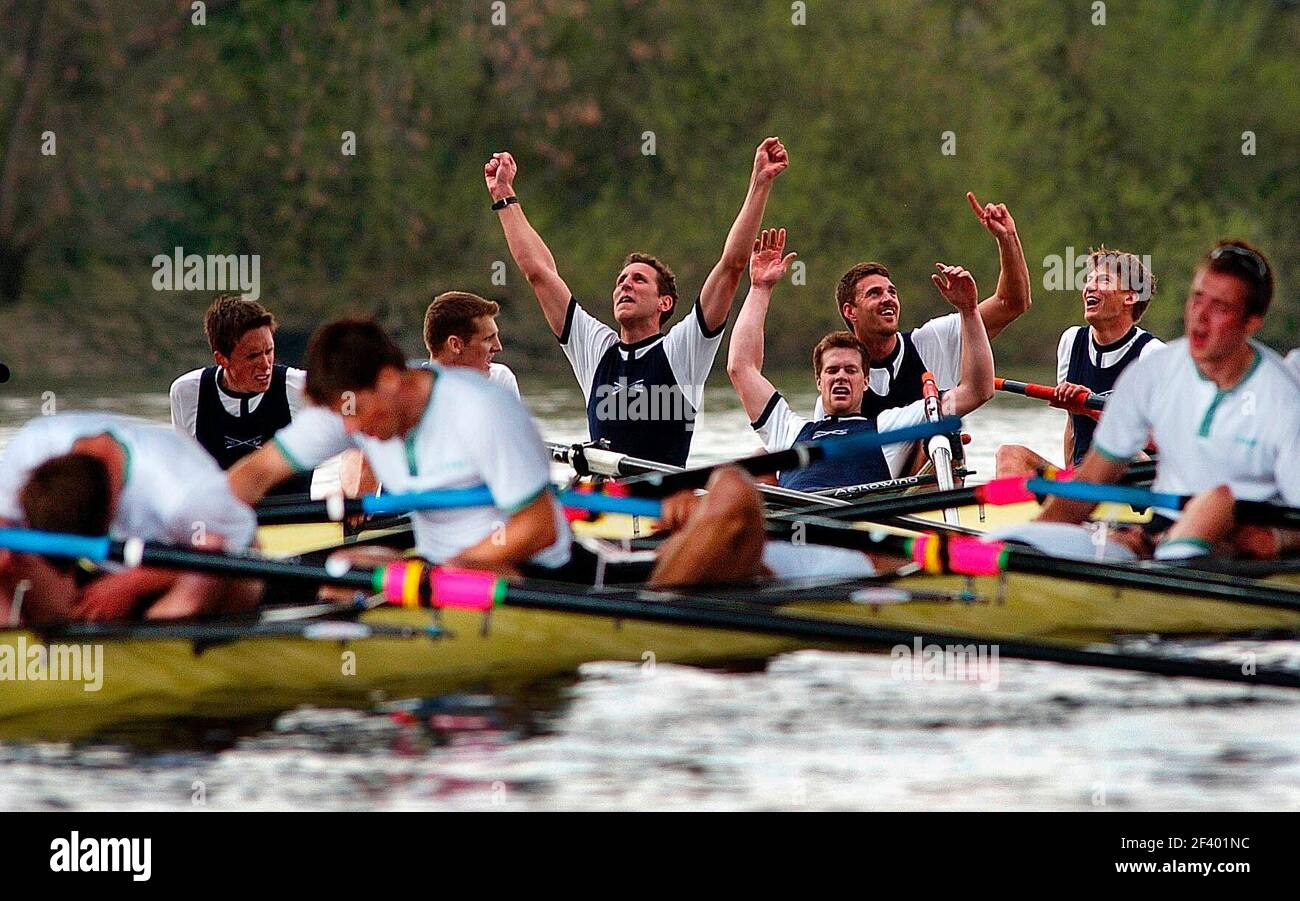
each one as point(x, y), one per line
point(840, 391)
point(626, 298)
point(1091, 302)
point(889, 312)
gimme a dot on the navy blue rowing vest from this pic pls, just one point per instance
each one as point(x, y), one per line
point(905, 387)
point(637, 405)
point(231, 438)
point(1098, 379)
point(869, 466)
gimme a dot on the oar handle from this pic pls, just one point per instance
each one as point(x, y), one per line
point(1045, 392)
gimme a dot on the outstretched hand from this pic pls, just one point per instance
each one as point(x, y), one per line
point(499, 172)
point(957, 287)
point(994, 217)
point(767, 266)
point(770, 160)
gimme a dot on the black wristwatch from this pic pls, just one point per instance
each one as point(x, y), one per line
point(505, 202)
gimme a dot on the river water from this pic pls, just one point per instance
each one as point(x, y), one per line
point(807, 731)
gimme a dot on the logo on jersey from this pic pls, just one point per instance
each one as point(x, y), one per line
point(250, 443)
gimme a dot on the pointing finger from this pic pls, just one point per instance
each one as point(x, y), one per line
point(974, 204)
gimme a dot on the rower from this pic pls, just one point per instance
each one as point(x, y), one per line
point(444, 427)
point(235, 406)
point(840, 371)
point(1222, 409)
point(642, 386)
point(460, 329)
point(868, 301)
point(1116, 292)
point(99, 473)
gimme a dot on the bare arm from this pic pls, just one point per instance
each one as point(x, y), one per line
point(252, 477)
point(528, 532)
point(530, 252)
point(719, 290)
point(1013, 295)
point(745, 355)
point(1094, 468)
point(1069, 441)
point(976, 385)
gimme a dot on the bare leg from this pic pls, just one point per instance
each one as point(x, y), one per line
point(42, 593)
point(1015, 460)
point(721, 541)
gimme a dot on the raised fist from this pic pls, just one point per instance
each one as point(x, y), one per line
point(770, 160)
point(499, 173)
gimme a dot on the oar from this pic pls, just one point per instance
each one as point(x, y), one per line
point(939, 448)
point(1093, 402)
point(802, 454)
point(336, 507)
point(999, 492)
point(902, 483)
point(410, 583)
point(1257, 512)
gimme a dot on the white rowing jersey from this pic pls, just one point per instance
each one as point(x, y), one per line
point(173, 491)
point(1293, 360)
point(934, 347)
point(780, 428)
point(498, 374)
point(185, 398)
point(1102, 356)
point(472, 433)
point(1245, 437)
point(642, 397)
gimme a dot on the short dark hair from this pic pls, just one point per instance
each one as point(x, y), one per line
point(847, 289)
point(1129, 264)
point(230, 317)
point(666, 281)
point(837, 339)
point(347, 355)
point(1249, 265)
point(70, 493)
point(453, 313)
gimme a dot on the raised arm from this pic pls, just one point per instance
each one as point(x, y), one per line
point(976, 385)
point(1012, 297)
point(530, 252)
point(745, 355)
point(719, 290)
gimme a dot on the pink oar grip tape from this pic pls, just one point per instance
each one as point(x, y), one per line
point(465, 589)
point(1006, 491)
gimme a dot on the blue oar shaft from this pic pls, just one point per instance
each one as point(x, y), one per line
point(1102, 494)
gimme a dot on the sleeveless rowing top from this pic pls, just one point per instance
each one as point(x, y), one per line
point(868, 466)
point(231, 438)
point(638, 406)
point(1098, 379)
point(905, 387)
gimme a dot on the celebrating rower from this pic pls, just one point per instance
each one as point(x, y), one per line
point(99, 473)
point(1089, 359)
point(840, 371)
point(460, 329)
point(869, 304)
point(443, 427)
point(642, 386)
point(1221, 408)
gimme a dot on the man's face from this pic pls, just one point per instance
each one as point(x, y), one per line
point(1215, 319)
point(636, 295)
point(875, 309)
point(1105, 296)
point(478, 351)
point(248, 368)
point(373, 411)
point(842, 381)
